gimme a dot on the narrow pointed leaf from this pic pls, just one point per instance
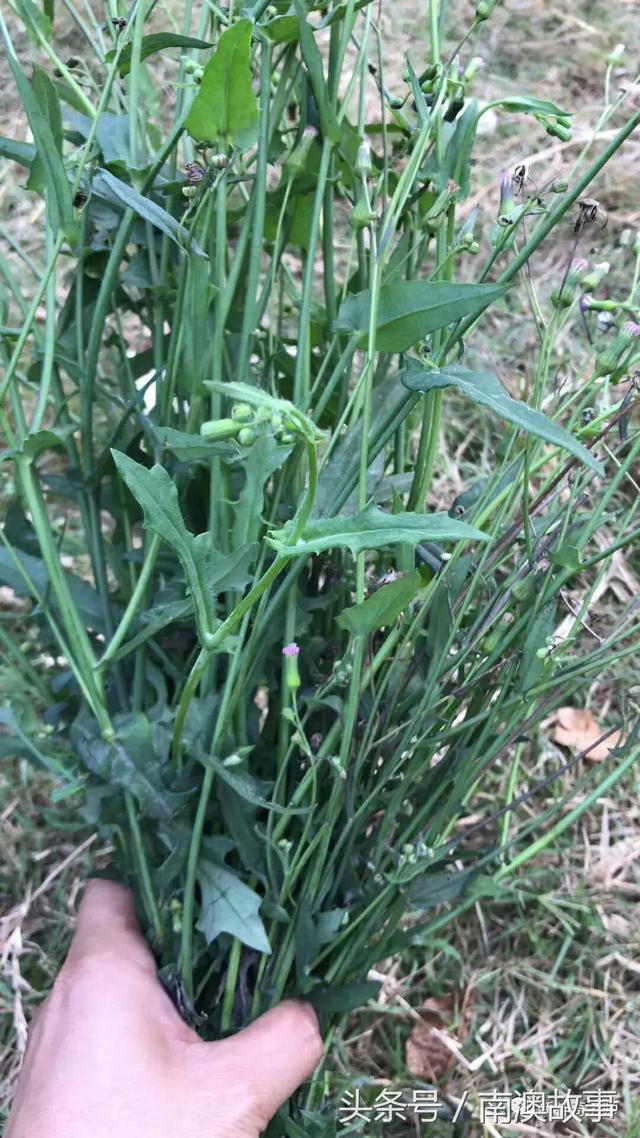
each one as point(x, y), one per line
point(486, 389)
point(111, 189)
point(157, 41)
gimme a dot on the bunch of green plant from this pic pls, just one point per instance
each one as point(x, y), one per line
point(276, 676)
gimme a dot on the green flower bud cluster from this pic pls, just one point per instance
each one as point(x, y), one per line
point(558, 126)
point(614, 361)
point(575, 278)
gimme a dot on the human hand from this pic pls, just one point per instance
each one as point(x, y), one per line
point(110, 1057)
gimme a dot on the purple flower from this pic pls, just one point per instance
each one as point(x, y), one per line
point(585, 302)
point(632, 328)
point(292, 649)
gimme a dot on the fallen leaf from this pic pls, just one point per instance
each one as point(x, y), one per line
point(427, 1055)
point(578, 729)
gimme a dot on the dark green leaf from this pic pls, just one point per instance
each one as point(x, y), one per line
point(57, 184)
point(435, 888)
point(343, 997)
point(49, 103)
point(111, 189)
point(33, 569)
point(411, 310)
point(371, 529)
point(542, 627)
point(153, 43)
point(487, 390)
point(206, 570)
point(229, 906)
point(313, 63)
point(24, 153)
point(225, 108)
point(246, 786)
point(381, 609)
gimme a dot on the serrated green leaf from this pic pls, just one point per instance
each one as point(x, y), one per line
point(111, 189)
point(229, 906)
point(263, 458)
point(383, 607)
point(226, 108)
point(157, 41)
point(486, 389)
point(410, 310)
point(371, 529)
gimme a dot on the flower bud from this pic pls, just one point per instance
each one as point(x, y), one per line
point(484, 8)
point(242, 413)
point(189, 191)
point(291, 673)
point(246, 437)
point(219, 429)
point(595, 276)
point(507, 201)
point(616, 54)
point(360, 216)
point(297, 160)
point(363, 161)
point(559, 187)
point(473, 67)
point(559, 127)
point(574, 278)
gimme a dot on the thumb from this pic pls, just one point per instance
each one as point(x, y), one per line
point(274, 1054)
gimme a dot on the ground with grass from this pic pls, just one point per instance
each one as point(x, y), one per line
point(536, 987)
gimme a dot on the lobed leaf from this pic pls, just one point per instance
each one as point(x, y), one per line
point(371, 529)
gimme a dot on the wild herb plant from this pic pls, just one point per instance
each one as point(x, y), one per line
point(277, 676)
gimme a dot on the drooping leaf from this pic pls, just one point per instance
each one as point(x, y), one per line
point(529, 104)
point(111, 189)
point(55, 178)
point(247, 786)
point(133, 760)
point(229, 906)
point(18, 568)
point(381, 609)
point(371, 529)
point(206, 570)
point(225, 108)
point(313, 63)
point(410, 310)
point(191, 448)
point(486, 389)
point(49, 103)
point(24, 153)
point(157, 41)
